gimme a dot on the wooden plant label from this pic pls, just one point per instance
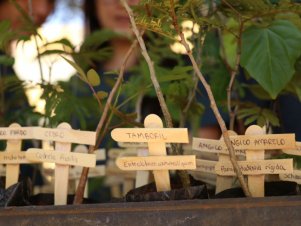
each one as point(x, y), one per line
point(295, 151)
point(256, 167)
point(295, 176)
point(63, 158)
point(205, 166)
point(242, 142)
point(13, 146)
point(156, 136)
point(50, 134)
point(157, 163)
point(14, 158)
point(65, 135)
point(149, 135)
point(224, 182)
point(16, 132)
point(213, 146)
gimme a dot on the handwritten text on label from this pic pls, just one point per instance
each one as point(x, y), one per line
point(150, 135)
point(65, 158)
point(268, 141)
point(205, 166)
point(13, 158)
point(61, 135)
point(295, 176)
point(257, 167)
point(157, 163)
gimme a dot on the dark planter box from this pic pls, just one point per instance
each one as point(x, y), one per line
point(240, 211)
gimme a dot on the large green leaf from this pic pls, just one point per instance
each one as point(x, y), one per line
point(269, 54)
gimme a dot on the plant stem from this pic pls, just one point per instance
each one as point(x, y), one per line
point(84, 176)
point(151, 67)
point(212, 102)
point(234, 72)
point(184, 176)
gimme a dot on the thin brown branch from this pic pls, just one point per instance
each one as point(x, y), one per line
point(166, 114)
point(234, 72)
point(150, 64)
point(84, 176)
point(212, 103)
point(232, 8)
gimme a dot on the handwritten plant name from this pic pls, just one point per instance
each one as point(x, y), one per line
point(257, 142)
point(156, 163)
point(146, 136)
point(54, 134)
point(164, 163)
point(218, 148)
point(62, 157)
point(13, 132)
point(253, 168)
point(206, 168)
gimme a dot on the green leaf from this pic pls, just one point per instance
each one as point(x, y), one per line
point(251, 119)
point(93, 77)
point(78, 69)
point(258, 92)
point(269, 54)
point(101, 95)
point(271, 117)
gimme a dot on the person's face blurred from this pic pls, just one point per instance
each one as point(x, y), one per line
point(112, 15)
point(40, 9)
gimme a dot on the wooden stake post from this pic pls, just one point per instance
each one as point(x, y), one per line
point(63, 136)
point(156, 137)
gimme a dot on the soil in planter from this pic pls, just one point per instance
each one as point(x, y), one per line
point(19, 194)
point(148, 192)
point(16, 195)
point(275, 188)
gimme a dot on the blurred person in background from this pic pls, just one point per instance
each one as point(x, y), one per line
point(14, 106)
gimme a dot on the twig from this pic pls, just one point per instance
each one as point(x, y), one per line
point(212, 103)
point(184, 176)
point(84, 176)
point(234, 72)
point(150, 64)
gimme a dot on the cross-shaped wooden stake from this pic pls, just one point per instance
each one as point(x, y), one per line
point(156, 137)
point(63, 136)
point(255, 142)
